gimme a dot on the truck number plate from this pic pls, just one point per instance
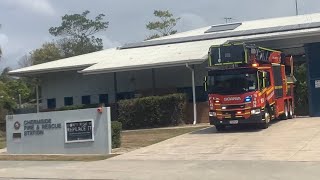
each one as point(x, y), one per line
point(234, 122)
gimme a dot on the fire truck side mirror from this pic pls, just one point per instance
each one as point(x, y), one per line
point(205, 84)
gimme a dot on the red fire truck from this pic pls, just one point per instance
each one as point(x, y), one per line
point(248, 84)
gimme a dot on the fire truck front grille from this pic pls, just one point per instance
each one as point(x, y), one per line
point(240, 106)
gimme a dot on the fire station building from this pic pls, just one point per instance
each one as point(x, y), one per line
point(175, 63)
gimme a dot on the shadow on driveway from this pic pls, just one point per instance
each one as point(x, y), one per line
point(234, 129)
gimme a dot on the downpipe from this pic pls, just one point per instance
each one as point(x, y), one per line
point(193, 94)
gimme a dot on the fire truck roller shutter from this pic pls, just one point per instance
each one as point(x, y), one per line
point(278, 83)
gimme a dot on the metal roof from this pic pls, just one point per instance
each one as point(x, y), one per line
point(154, 56)
point(255, 24)
point(186, 47)
point(72, 63)
point(177, 53)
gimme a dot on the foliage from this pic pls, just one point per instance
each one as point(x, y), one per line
point(154, 111)
point(77, 32)
point(164, 26)
point(4, 77)
point(25, 61)
point(48, 52)
point(301, 90)
point(116, 128)
point(6, 101)
point(17, 87)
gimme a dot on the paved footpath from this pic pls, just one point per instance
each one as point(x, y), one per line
point(287, 150)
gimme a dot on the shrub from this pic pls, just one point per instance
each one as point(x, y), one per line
point(301, 91)
point(153, 111)
point(116, 128)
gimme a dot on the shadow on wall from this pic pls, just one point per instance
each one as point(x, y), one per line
point(202, 113)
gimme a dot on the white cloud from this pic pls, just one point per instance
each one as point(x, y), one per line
point(36, 6)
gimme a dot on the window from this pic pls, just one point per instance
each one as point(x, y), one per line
point(268, 82)
point(51, 103)
point(86, 100)
point(68, 101)
point(103, 99)
point(261, 80)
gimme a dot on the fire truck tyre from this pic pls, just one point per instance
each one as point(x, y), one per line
point(290, 113)
point(285, 115)
point(220, 127)
point(267, 118)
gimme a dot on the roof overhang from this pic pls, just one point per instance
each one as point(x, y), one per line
point(145, 66)
point(48, 70)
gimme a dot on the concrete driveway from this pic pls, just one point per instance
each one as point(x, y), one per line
point(287, 150)
point(290, 140)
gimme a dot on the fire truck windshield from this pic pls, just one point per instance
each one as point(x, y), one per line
point(234, 83)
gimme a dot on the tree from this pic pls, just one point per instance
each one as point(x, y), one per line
point(4, 76)
point(77, 32)
point(19, 86)
point(25, 61)
point(301, 90)
point(48, 52)
point(164, 26)
point(6, 101)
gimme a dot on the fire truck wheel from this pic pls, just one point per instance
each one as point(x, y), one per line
point(285, 115)
point(267, 118)
point(290, 113)
point(220, 127)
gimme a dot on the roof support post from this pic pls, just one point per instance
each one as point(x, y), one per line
point(115, 86)
point(153, 81)
point(37, 98)
point(193, 93)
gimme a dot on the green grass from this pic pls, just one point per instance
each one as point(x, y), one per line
point(2, 142)
point(131, 140)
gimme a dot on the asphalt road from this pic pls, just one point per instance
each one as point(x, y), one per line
point(287, 150)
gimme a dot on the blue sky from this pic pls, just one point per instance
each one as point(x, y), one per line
point(25, 23)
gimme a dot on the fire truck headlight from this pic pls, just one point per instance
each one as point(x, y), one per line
point(255, 111)
point(212, 114)
point(248, 99)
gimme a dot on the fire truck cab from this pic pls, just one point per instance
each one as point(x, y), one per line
point(247, 84)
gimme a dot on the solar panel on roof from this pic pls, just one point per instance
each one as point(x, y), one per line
point(223, 27)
